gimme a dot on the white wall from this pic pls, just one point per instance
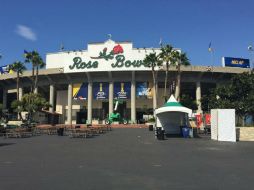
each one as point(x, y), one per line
point(223, 125)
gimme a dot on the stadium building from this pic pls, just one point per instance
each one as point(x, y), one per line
point(84, 86)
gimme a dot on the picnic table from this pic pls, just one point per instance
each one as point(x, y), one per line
point(100, 128)
point(18, 133)
point(74, 130)
point(46, 129)
point(80, 132)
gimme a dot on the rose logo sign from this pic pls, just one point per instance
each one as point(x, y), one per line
point(115, 54)
point(103, 55)
point(118, 49)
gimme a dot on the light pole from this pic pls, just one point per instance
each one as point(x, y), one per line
point(251, 50)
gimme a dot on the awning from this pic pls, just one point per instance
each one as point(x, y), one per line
point(173, 106)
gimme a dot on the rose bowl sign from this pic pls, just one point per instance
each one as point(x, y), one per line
point(108, 56)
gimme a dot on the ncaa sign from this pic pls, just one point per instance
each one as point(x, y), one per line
point(235, 62)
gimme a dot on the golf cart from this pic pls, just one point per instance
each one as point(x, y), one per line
point(116, 117)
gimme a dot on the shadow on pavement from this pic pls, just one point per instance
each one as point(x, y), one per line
point(196, 136)
point(6, 144)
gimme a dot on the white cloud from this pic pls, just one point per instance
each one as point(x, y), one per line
point(26, 32)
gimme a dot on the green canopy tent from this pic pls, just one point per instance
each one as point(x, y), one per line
point(172, 115)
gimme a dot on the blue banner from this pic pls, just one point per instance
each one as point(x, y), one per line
point(235, 62)
point(122, 90)
point(100, 90)
point(144, 89)
point(4, 69)
point(80, 91)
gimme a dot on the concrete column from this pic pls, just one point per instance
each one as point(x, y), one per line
point(111, 97)
point(89, 103)
point(69, 112)
point(198, 96)
point(133, 98)
point(19, 98)
point(5, 92)
point(20, 93)
point(52, 97)
point(63, 114)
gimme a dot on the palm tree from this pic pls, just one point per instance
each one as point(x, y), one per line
point(30, 103)
point(152, 60)
point(166, 56)
point(180, 59)
point(37, 62)
point(40, 64)
point(28, 59)
point(18, 67)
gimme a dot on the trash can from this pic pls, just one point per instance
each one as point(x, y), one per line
point(150, 127)
point(195, 132)
point(60, 131)
point(185, 132)
point(159, 133)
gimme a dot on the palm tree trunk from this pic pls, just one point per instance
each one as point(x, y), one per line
point(36, 77)
point(32, 88)
point(166, 80)
point(18, 93)
point(17, 85)
point(178, 83)
point(29, 111)
point(20, 116)
point(243, 121)
point(19, 113)
point(172, 85)
point(154, 84)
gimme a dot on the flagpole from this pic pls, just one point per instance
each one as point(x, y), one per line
point(211, 52)
point(160, 43)
point(210, 49)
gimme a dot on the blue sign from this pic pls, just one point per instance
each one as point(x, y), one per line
point(122, 90)
point(80, 91)
point(100, 90)
point(235, 62)
point(144, 89)
point(4, 69)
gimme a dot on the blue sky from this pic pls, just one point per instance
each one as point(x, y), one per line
point(187, 24)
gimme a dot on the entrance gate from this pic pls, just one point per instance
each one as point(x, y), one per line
point(81, 117)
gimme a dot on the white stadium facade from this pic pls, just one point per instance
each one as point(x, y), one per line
point(83, 85)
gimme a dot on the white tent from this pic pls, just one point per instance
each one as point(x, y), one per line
point(172, 115)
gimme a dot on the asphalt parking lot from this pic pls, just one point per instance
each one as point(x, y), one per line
point(124, 159)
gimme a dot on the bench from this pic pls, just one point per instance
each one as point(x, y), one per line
point(80, 132)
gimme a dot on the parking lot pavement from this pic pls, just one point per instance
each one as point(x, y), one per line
point(124, 159)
